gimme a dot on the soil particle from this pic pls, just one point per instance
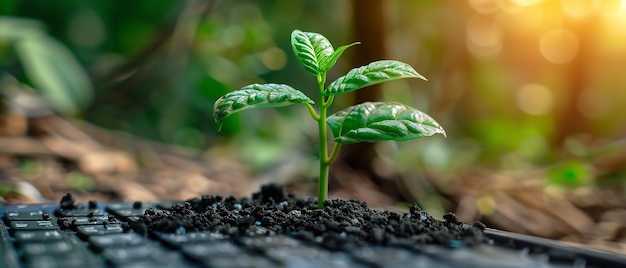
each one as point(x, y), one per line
point(66, 223)
point(341, 224)
point(68, 202)
point(93, 204)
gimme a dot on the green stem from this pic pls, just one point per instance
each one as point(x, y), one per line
point(334, 153)
point(329, 101)
point(314, 114)
point(322, 187)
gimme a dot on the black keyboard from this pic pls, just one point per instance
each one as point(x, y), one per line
point(103, 235)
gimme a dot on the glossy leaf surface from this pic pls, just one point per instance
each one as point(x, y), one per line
point(379, 121)
point(371, 74)
point(257, 96)
point(310, 49)
point(314, 52)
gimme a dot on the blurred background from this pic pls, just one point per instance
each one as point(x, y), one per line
point(112, 100)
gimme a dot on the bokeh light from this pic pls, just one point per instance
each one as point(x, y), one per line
point(580, 8)
point(86, 28)
point(233, 35)
point(484, 6)
point(274, 58)
point(534, 99)
point(525, 3)
point(559, 45)
point(484, 37)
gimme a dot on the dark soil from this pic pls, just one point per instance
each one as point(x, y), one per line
point(341, 224)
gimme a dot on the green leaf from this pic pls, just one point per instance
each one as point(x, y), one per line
point(371, 74)
point(329, 62)
point(256, 96)
point(379, 121)
point(311, 49)
point(53, 69)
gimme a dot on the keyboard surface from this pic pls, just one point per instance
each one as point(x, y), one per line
point(103, 235)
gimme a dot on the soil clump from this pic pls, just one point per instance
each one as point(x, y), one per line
point(341, 224)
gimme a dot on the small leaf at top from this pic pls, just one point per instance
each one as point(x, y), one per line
point(329, 62)
point(379, 121)
point(310, 50)
point(371, 74)
point(256, 96)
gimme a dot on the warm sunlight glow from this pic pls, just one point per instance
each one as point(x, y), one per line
point(613, 28)
point(509, 6)
point(526, 2)
point(580, 8)
point(521, 24)
point(559, 45)
point(484, 38)
point(484, 6)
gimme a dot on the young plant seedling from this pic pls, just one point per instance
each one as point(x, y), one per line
point(366, 122)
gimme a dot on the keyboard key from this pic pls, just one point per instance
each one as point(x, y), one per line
point(68, 252)
point(178, 262)
point(124, 210)
point(395, 257)
point(267, 242)
point(304, 256)
point(33, 225)
point(177, 240)
point(39, 236)
point(95, 220)
point(121, 255)
point(80, 212)
point(126, 254)
point(36, 215)
point(247, 260)
point(293, 253)
point(71, 259)
point(88, 230)
point(224, 254)
point(102, 242)
point(204, 250)
point(49, 247)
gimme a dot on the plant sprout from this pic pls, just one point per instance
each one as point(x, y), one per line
point(366, 122)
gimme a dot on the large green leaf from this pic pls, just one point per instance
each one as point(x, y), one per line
point(310, 50)
point(53, 69)
point(256, 96)
point(371, 74)
point(379, 121)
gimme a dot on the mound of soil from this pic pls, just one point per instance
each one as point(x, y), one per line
point(341, 224)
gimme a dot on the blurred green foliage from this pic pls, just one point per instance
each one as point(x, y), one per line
point(48, 64)
point(152, 76)
point(570, 174)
